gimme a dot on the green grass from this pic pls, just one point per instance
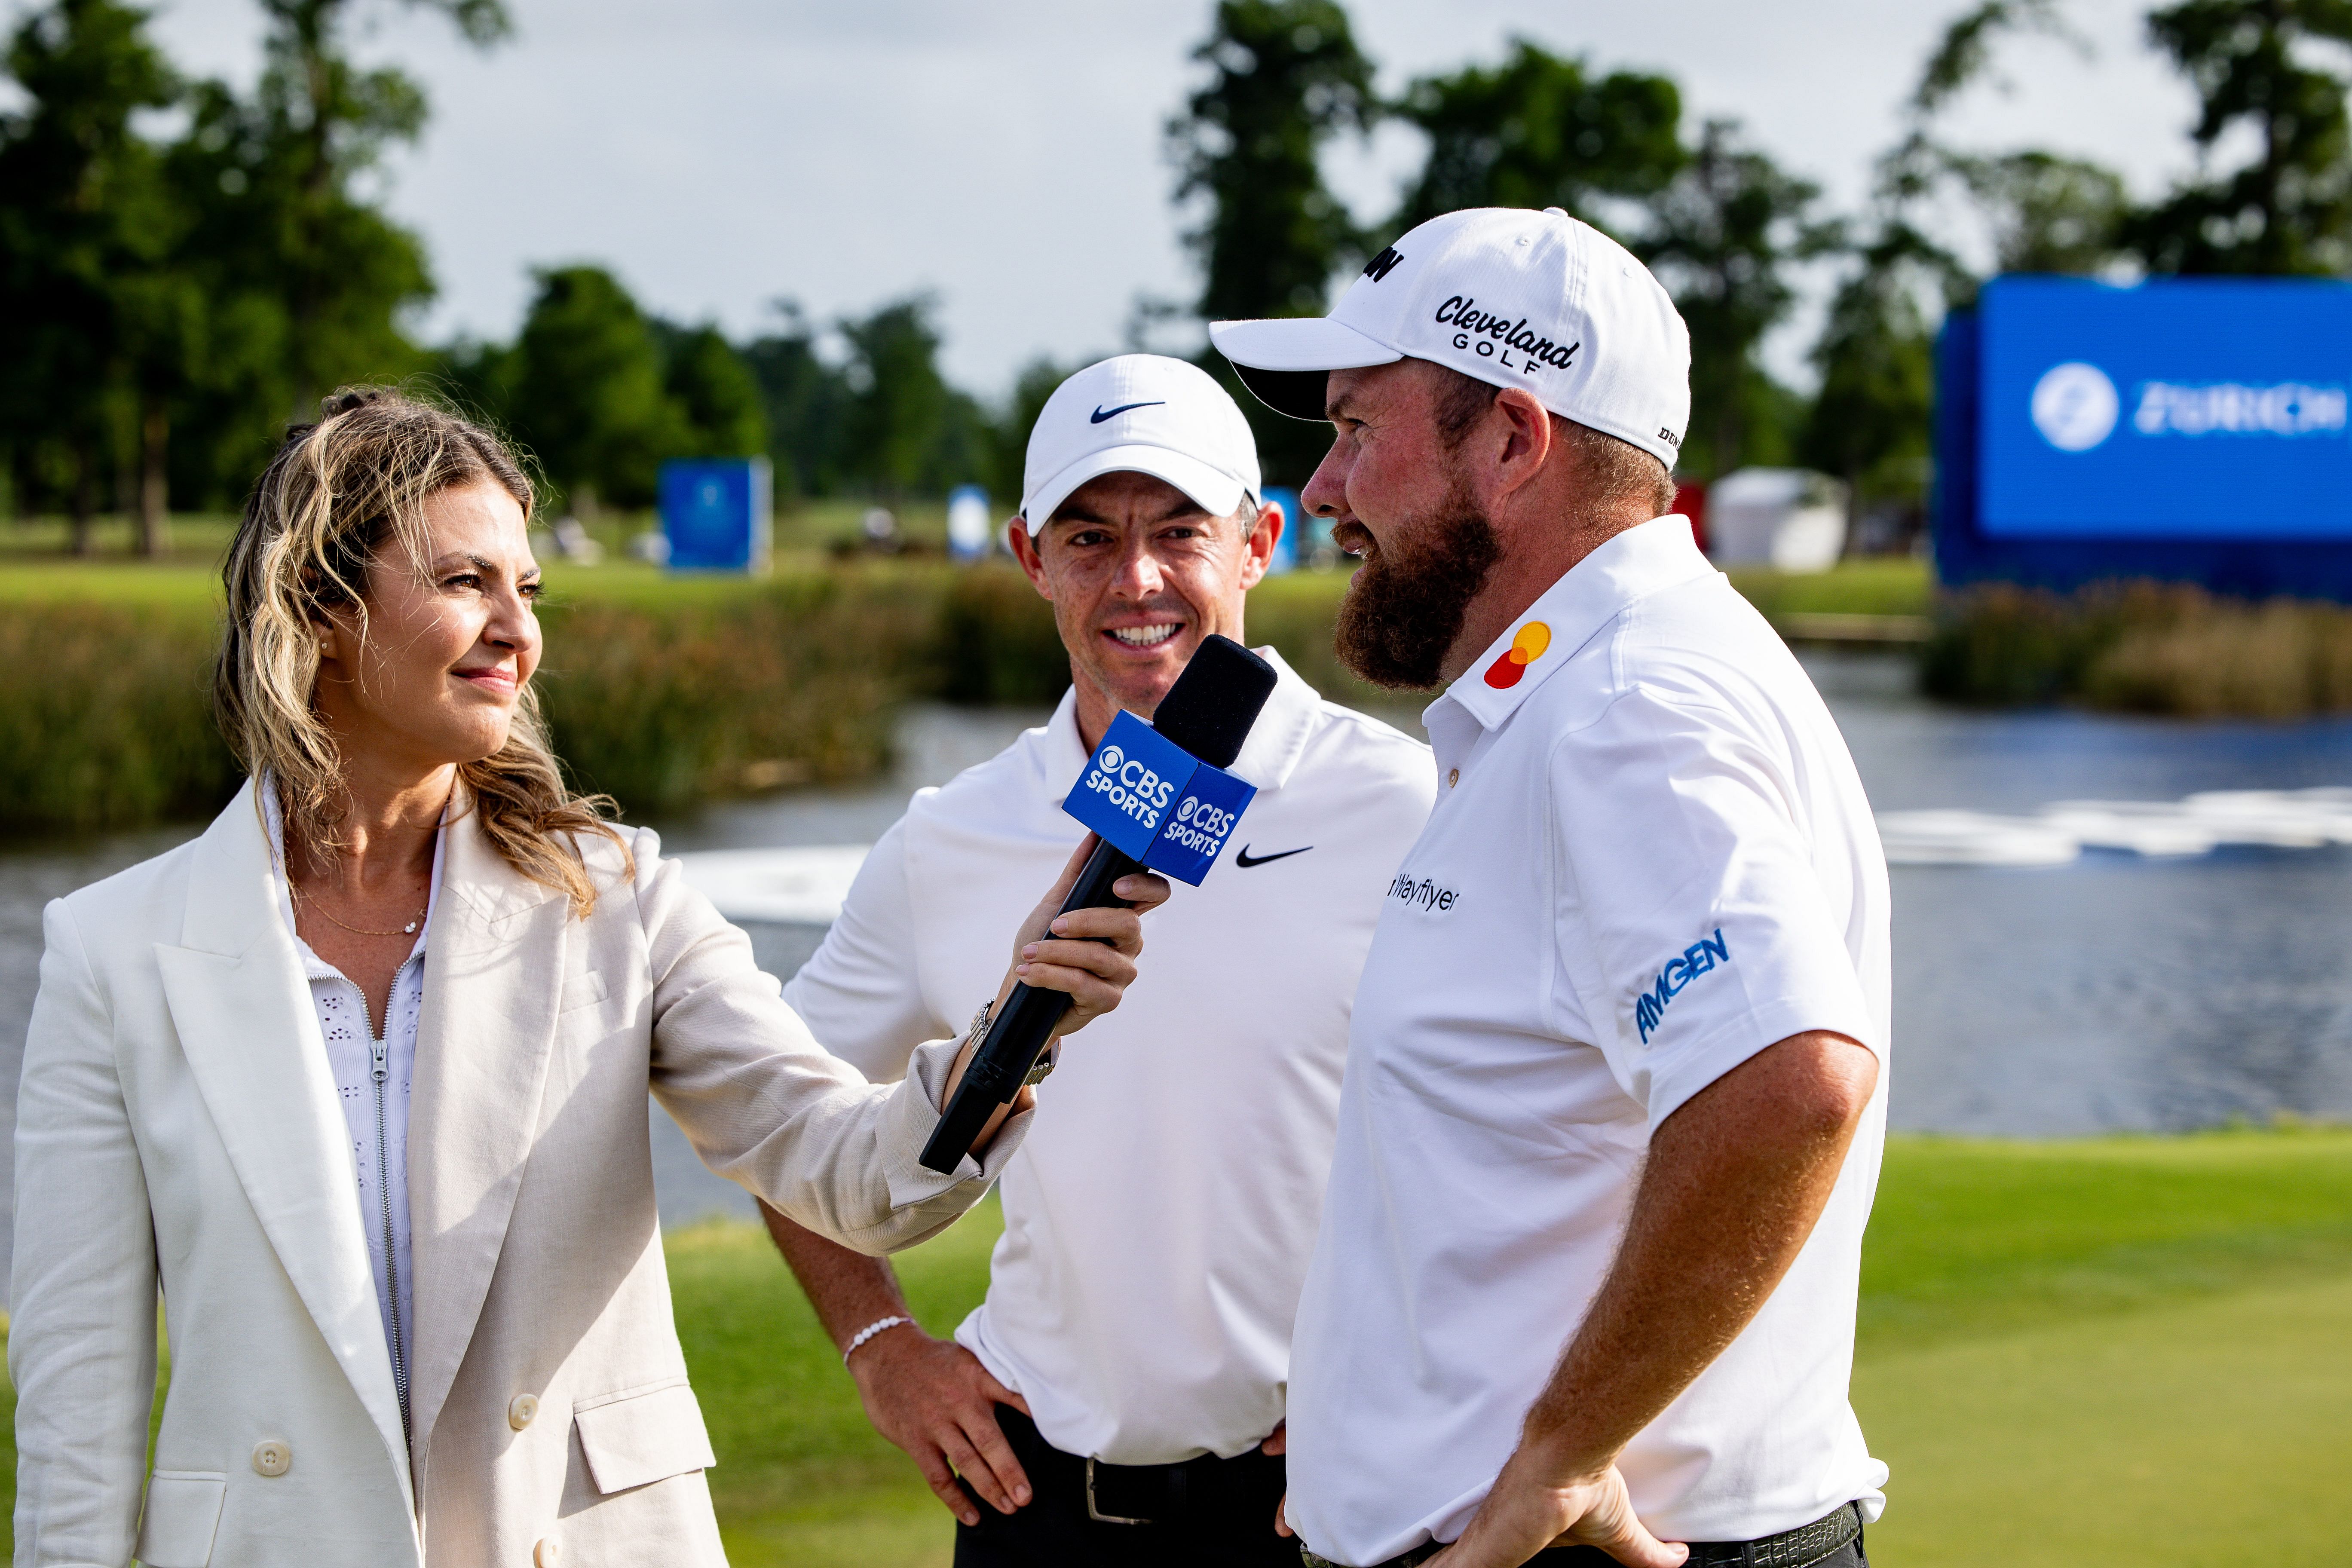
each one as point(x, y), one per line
point(2200, 1435)
point(34, 567)
point(2116, 1350)
point(32, 564)
point(1974, 1237)
point(802, 1479)
point(1875, 585)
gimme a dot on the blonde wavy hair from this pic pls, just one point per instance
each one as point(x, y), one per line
point(341, 497)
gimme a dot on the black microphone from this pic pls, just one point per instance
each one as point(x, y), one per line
point(1208, 712)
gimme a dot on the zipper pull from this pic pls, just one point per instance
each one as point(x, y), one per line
point(378, 1049)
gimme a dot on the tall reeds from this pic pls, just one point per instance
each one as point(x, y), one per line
point(796, 684)
point(104, 718)
point(666, 700)
point(2143, 647)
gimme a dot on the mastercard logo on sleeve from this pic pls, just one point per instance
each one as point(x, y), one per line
point(1525, 649)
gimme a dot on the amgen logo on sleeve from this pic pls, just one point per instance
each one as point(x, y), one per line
point(2075, 405)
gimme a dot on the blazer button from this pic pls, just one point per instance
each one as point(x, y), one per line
point(547, 1554)
point(272, 1458)
point(522, 1411)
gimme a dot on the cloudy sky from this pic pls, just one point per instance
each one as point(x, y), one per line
point(720, 155)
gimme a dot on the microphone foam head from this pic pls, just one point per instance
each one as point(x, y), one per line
point(1214, 701)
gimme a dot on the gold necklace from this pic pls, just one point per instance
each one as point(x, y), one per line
point(408, 930)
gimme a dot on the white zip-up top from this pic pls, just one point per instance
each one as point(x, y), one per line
point(373, 1078)
point(1158, 1221)
point(1651, 858)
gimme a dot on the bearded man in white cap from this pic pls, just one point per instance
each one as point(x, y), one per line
point(1119, 1398)
point(1615, 1096)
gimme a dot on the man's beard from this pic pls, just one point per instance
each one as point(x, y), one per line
point(1403, 610)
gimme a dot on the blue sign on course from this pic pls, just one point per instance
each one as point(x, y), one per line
point(971, 530)
point(716, 513)
point(2209, 408)
point(1154, 801)
point(2186, 429)
point(1288, 550)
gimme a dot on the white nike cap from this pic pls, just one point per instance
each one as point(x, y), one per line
point(1514, 297)
point(1143, 414)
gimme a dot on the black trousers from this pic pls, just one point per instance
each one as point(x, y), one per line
point(1850, 1555)
point(1225, 1515)
point(1701, 1557)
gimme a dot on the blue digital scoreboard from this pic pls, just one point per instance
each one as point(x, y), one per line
point(2191, 429)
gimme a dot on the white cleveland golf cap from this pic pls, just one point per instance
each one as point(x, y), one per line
point(1514, 297)
point(1143, 414)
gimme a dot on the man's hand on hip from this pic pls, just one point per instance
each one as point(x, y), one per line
point(933, 1398)
point(1733, 1183)
point(1529, 1510)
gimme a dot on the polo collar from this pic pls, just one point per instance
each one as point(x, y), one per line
point(1656, 554)
point(1061, 755)
point(1276, 742)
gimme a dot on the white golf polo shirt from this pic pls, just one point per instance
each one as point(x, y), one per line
point(1158, 1218)
point(1650, 858)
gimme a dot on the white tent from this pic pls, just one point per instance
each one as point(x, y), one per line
point(1792, 519)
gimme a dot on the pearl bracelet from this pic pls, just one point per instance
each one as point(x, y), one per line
point(867, 1333)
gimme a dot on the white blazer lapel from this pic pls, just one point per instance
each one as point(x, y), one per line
point(242, 1012)
point(493, 975)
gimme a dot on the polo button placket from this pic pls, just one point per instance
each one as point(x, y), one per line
point(272, 1458)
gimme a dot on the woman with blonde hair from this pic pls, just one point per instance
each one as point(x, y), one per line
point(358, 1079)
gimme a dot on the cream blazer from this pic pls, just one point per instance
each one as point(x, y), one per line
point(178, 1127)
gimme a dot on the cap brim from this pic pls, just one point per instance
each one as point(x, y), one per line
point(1218, 493)
point(1286, 362)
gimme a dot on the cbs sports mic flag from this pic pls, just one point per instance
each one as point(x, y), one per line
point(1155, 801)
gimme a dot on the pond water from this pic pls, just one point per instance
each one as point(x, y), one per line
point(2113, 992)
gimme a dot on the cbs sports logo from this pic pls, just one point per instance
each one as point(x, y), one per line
point(1129, 785)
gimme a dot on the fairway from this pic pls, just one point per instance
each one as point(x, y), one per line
point(2195, 1436)
point(2134, 1349)
point(2113, 1350)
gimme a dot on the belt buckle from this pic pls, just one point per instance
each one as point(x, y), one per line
point(1096, 1514)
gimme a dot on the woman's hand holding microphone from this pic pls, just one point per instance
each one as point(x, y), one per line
point(1089, 954)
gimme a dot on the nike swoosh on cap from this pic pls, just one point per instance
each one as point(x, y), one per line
point(1101, 413)
point(1244, 860)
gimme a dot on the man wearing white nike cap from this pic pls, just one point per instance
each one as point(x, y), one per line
point(1118, 1397)
point(1584, 1287)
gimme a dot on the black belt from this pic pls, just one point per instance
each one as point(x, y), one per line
point(1798, 1548)
point(1165, 1494)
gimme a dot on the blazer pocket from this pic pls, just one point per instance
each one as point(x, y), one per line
point(183, 1509)
point(634, 1439)
point(580, 990)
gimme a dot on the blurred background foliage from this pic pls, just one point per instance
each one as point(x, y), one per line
point(185, 265)
point(662, 694)
point(666, 694)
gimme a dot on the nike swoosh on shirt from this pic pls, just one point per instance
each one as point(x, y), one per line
point(1101, 413)
point(1244, 860)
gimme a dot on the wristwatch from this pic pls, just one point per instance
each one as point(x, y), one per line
point(978, 1032)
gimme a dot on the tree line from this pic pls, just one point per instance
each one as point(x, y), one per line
point(1729, 231)
point(185, 267)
